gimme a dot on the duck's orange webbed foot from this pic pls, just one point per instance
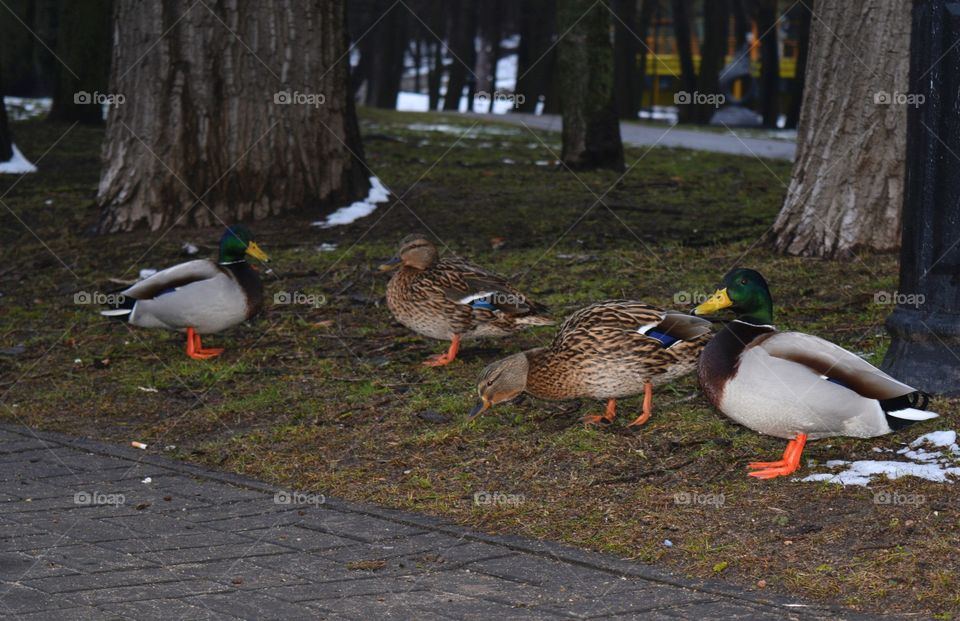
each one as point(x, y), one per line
point(447, 358)
point(788, 465)
point(195, 349)
point(647, 406)
point(606, 418)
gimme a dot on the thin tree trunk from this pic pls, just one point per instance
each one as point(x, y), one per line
point(535, 56)
point(435, 76)
point(6, 140)
point(803, 49)
point(769, 62)
point(83, 45)
point(385, 46)
point(846, 191)
point(625, 46)
point(715, 17)
point(591, 129)
point(463, 29)
point(688, 77)
point(647, 8)
point(253, 119)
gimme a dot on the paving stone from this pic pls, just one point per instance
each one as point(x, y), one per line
point(190, 608)
point(217, 550)
point(256, 605)
point(175, 589)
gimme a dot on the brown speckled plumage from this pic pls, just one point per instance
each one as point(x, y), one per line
point(603, 351)
point(599, 352)
point(429, 298)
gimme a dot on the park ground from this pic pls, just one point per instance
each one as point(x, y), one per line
point(329, 396)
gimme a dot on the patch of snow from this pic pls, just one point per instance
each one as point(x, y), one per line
point(25, 108)
point(936, 466)
point(190, 249)
point(359, 209)
point(325, 247)
point(147, 273)
point(17, 165)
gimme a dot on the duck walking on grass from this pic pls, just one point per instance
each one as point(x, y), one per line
point(792, 385)
point(451, 300)
point(199, 297)
point(609, 350)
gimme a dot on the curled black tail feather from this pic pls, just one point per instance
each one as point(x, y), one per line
point(916, 400)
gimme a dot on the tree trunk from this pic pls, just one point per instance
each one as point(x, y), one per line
point(6, 140)
point(463, 30)
point(435, 76)
point(625, 46)
point(535, 57)
point(769, 62)
point(83, 45)
point(712, 52)
point(803, 49)
point(384, 46)
point(846, 191)
point(647, 8)
point(688, 77)
point(591, 129)
point(242, 119)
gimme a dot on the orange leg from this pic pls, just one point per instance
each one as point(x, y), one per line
point(195, 349)
point(647, 406)
point(606, 417)
point(783, 467)
point(447, 358)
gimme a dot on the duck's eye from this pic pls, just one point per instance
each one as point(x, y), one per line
point(743, 281)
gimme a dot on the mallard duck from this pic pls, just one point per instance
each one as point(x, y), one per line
point(609, 350)
point(450, 299)
point(792, 385)
point(201, 296)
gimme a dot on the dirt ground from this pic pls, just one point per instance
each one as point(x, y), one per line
point(329, 396)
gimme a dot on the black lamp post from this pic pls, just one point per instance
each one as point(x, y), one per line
point(925, 325)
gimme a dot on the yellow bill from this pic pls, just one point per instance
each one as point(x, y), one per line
point(254, 251)
point(718, 301)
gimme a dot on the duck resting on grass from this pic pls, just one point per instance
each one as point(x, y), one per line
point(451, 300)
point(609, 350)
point(201, 296)
point(792, 385)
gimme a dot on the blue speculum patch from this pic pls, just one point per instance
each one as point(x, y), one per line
point(664, 338)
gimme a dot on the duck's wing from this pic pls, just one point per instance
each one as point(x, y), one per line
point(468, 284)
point(173, 278)
point(626, 325)
point(835, 363)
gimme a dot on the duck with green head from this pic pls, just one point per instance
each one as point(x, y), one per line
point(201, 296)
point(792, 385)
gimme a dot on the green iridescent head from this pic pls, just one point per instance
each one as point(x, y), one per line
point(236, 243)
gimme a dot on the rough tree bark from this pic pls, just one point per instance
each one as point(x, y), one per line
point(591, 129)
point(846, 191)
point(83, 44)
point(245, 107)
